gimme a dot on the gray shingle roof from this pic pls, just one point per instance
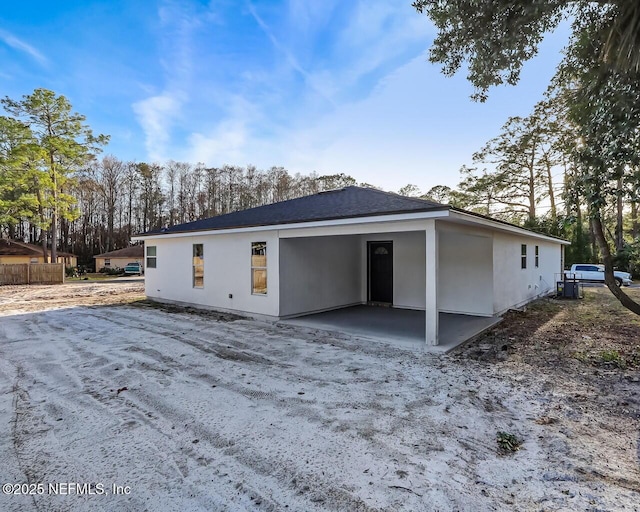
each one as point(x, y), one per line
point(343, 203)
point(134, 251)
point(16, 248)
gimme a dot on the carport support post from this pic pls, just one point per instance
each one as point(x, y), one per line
point(431, 283)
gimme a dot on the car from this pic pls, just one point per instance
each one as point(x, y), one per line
point(595, 273)
point(133, 269)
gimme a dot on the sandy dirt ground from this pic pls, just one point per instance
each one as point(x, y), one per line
point(199, 412)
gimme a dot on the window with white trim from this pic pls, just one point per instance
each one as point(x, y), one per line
point(259, 268)
point(198, 266)
point(537, 258)
point(151, 256)
point(523, 256)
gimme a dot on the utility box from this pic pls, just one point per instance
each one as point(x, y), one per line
point(569, 289)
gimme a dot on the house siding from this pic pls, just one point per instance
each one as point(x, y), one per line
point(514, 286)
point(465, 272)
point(478, 272)
point(118, 262)
point(69, 261)
point(319, 273)
point(227, 270)
point(409, 271)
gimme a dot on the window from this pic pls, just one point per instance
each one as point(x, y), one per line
point(151, 256)
point(537, 256)
point(587, 268)
point(107, 262)
point(34, 260)
point(198, 266)
point(259, 268)
point(523, 257)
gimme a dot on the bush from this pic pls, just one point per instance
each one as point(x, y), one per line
point(71, 272)
point(628, 258)
point(507, 442)
point(112, 271)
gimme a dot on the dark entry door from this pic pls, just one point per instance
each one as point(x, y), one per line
point(381, 272)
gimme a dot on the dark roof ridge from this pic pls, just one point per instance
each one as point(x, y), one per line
point(418, 200)
point(347, 202)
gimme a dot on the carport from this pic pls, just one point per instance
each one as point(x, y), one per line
point(403, 327)
point(409, 282)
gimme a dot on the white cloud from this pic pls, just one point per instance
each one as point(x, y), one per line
point(308, 16)
point(17, 44)
point(290, 57)
point(408, 130)
point(229, 141)
point(378, 32)
point(156, 115)
point(224, 144)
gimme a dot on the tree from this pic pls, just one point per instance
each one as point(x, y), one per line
point(604, 104)
point(66, 141)
point(335, 181)
point(515, 156)
point(108, 177)
point(495, 38)
point(19, 158)
point(410, 190)
point(599, 79)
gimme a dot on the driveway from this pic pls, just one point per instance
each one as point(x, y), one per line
point(189, 412)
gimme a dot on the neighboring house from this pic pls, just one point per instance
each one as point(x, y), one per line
point(120, 258)
point(351, 246)
point(12, 251)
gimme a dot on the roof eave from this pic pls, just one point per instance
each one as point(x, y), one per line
point(478, 218)
point(365, 218)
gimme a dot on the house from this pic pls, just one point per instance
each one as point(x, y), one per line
point(13, 251)
point(349, 247)
point(120, 258)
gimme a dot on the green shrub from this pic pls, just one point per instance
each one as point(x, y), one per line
point(508, 443)
point(111, 271)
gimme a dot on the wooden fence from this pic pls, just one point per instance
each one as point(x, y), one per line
point(32, 273)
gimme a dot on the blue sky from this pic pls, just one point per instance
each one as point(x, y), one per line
point(326, 86)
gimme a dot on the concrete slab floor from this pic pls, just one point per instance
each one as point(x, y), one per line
point(402, 327)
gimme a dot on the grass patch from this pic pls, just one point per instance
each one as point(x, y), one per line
point(595, 331)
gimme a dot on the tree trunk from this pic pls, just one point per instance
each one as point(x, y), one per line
point(54, 237)
point(625, 300)
point(54, 213)
point(619, 206)
point(43, 230)
point(594, 243)
point(552, 197)
point(45, 254)
point(532, 187)
point(634, 220)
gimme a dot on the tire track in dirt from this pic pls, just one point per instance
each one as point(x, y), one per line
point(305, 419)
point(252, 394)
point(249, 393)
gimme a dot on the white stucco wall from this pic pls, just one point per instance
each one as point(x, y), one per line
point(409, 273)
point(514, 286)
point(319, 273)
point(465, 271)
point(227, 270)
point(478, 270)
